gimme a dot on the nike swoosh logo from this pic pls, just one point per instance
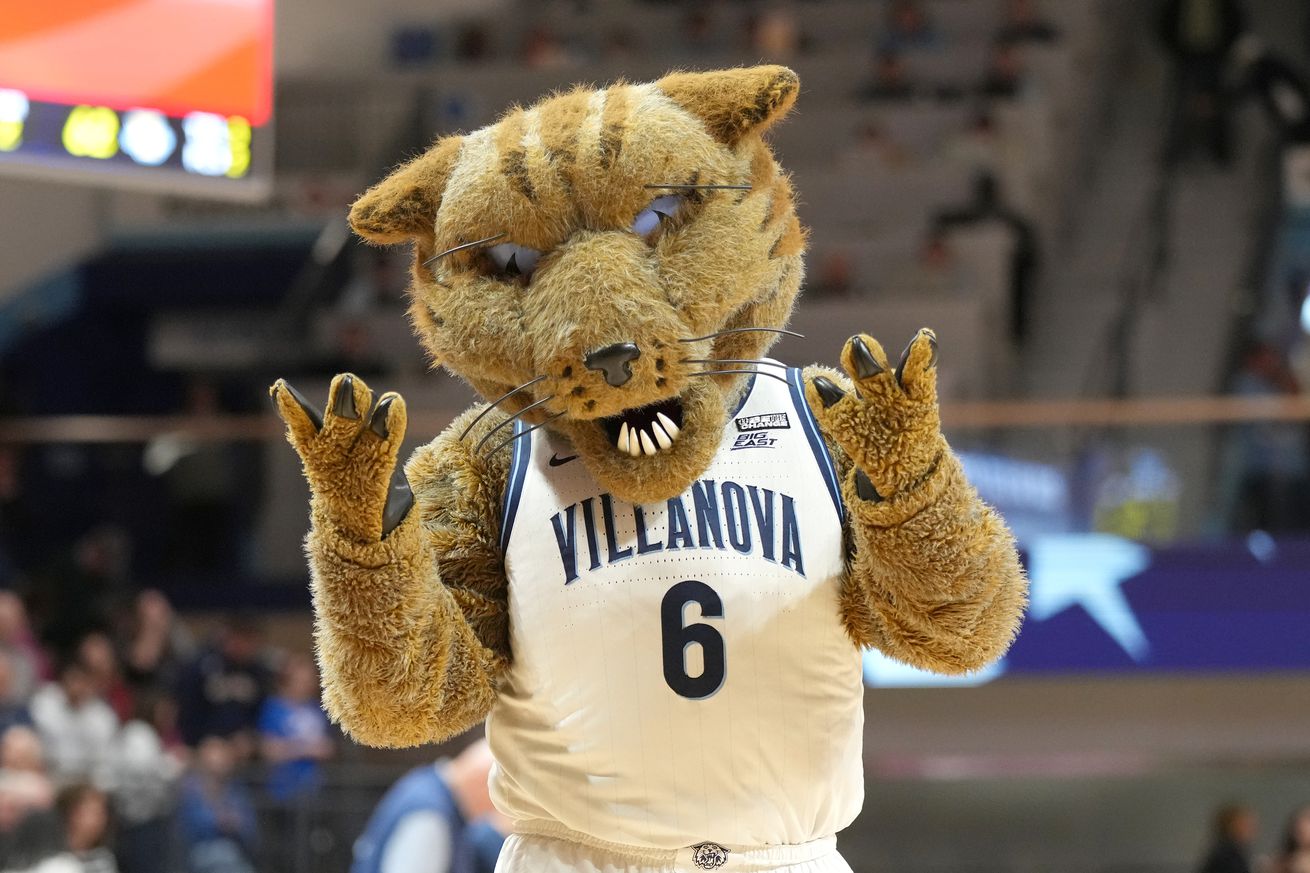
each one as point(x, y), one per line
point(557, 461)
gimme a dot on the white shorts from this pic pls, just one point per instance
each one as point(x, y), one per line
point(540, 853)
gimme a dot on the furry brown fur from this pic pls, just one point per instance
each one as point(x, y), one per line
point(412, 629)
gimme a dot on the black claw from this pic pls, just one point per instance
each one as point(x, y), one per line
point(905, 355)
point(303, 402)
point(865, 364)
point(829, 393)
point(400, 499)
point(380, 415)
point(345, 405)
point(900, 367)
point(864, 488)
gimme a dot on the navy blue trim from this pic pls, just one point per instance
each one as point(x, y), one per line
point(817, 445)
point(518, 471)
point(745, 395)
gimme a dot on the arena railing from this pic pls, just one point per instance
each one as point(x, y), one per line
point(1198, 458)
point(959, 417)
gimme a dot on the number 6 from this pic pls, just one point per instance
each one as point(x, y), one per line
point(677, 637)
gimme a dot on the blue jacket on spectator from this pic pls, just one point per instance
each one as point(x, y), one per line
point(230, 815)
point(422, 795)
point(298, 721)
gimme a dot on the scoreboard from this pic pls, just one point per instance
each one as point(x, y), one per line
point(167, 94)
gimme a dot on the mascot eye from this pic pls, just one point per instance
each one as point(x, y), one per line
point(514, 261)
point(657, 213)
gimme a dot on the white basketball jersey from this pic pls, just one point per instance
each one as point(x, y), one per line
point(680, 670)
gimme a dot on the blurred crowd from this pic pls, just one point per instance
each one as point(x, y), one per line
point(1235, 829)
point(126, 744)
point(774, 31)
point(909, 31)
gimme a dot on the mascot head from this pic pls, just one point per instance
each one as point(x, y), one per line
point(607, 253)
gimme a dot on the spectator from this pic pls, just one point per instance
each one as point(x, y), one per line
point(776, 35)
point(698, 35)
point(13, 709)
point(376, 284)
point(619, 45)
point(873, 149)
point(294, 739)
point(157, 646)
point(294, 732)
point(355, 348)
point(84, 810)
point(217, 819)
point(14, 521)
point(472, 43)
point(24, 785)
point(144, 773)
point(1294, 854)
point(1005, 74)
point(414, 45)
point(1278, 85)
point(96, 653)
point(1198, 34)
point(908, 28)
point(202, 487)
point(1270, 456)
point(76, 726)
point(543, 50)
point(1235, 828)
point(988, 206)
point(221, 691)
point(977, 146)
point(934, 272)
point(1024, 24)
point(422, 824)
point(834, 275)
point(889, 80)
point(80, 595)
point(35, 843)
point(17, 640)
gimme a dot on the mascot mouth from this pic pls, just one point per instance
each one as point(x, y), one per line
point(645, 430)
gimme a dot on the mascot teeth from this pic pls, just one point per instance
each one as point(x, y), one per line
point(641, 442)
point(662, 436)
point(646, 431)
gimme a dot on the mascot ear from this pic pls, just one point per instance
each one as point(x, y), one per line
point(733, 103)
point(403, 206)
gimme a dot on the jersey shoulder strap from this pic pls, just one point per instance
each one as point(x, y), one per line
point(518, 470)
point(810, 426)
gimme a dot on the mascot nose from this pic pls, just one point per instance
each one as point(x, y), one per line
point(615, 361)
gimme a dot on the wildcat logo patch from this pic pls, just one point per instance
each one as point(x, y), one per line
point(709, 856)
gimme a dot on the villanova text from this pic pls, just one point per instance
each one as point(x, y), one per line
point(725, 516)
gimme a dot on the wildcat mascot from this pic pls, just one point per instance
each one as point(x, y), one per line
point(650, 563)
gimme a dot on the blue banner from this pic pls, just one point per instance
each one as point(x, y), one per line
point(1104, 604)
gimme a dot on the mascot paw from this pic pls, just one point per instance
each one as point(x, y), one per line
point(887, 421)
point(349, 453)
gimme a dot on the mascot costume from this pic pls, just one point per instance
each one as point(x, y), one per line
point(650, 562)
